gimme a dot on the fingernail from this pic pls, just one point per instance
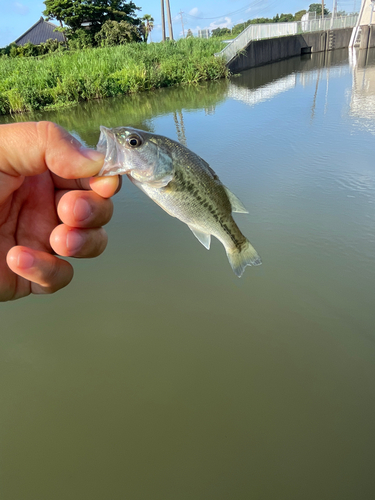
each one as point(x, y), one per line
point(25, 260)
point(82, 209)
point(74, 241)
point(92, 154)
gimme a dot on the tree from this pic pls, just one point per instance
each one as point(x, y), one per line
point(89, 15)
point(219, 32)
point(238, 28)
point(5, 51)
point(317, 7)
point(298, 15)
point(285, 18)
point(114, 33)
point(189, 33)
point(261, 20)
point(147, 26)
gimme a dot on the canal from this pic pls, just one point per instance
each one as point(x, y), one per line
point(157, 373)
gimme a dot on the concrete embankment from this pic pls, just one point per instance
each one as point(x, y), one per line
point(266, 51)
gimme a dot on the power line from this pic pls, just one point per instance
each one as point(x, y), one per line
point(230, 13)
point(190, 21)
point(266, 7)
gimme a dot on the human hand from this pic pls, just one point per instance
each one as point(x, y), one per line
point(48, 205)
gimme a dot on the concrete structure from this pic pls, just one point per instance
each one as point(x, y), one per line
point(367, 38)
point(366, 18)
point(362, 101)
point(270, 50)
point(204, 33)
point(255, 32)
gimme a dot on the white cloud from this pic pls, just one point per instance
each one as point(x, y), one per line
point(194, 11)
point(20, 8)
point(226, 22)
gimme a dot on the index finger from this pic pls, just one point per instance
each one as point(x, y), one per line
point(104, 186)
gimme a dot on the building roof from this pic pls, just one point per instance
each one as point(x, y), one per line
point(40, 32)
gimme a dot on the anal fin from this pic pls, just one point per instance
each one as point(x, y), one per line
point(204, 238)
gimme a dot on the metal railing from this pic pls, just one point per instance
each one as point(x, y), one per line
point(260, 31)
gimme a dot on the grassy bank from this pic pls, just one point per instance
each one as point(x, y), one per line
point(62, 79)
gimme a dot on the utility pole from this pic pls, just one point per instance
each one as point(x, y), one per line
point(169, 20)
point(322, 10)
point(182, 22)
point(162, 20)
point(334, 11)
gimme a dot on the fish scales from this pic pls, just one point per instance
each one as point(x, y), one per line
point(197, 188)
point(183, 184)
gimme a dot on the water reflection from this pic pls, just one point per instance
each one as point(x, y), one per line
point(136, 110)
point(362, 102)
point(180, 127)
point(251, 87)
point(157, 373)
point(263, 84)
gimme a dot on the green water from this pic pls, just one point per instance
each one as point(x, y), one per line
point(158, 374)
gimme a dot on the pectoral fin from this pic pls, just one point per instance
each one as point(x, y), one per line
point(204, 238)
point(237, 205)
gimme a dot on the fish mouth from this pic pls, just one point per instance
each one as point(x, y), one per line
point(114, 163)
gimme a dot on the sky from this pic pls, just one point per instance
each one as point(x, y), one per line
point(18, 16)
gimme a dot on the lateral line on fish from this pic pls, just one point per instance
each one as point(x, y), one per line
point(186, 184)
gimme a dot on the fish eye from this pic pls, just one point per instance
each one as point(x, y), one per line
point(134, 141)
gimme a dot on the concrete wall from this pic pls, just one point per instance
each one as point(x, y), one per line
point(367, 37)
point(365, 14)
point(275, 49)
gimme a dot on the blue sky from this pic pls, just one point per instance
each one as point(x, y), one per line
point(18, 16)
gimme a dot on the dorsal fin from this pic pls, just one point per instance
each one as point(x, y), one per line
point(237, 205)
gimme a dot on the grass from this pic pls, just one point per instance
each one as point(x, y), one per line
point(66, 78)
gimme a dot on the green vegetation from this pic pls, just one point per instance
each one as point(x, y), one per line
point(84, 19)
point(298, 15)
point(65, 78)
point(238, 28)
point(147, 26)
point(279, 18)
point(117, 33)
point(317, 7)
point(30, 50)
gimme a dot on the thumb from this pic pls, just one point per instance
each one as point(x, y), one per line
point(32, 148)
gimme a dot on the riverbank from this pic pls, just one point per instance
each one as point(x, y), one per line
point(64, 79)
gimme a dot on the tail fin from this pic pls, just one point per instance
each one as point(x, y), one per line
point(240, 258)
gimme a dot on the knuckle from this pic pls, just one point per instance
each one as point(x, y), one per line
point(98, 242)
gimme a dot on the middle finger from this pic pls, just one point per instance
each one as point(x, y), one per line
point(83, 209)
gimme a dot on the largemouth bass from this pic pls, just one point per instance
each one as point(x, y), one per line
point(181, 183)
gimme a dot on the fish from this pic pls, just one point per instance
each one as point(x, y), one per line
point(182, 184)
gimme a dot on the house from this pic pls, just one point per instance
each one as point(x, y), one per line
point(39, 33)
